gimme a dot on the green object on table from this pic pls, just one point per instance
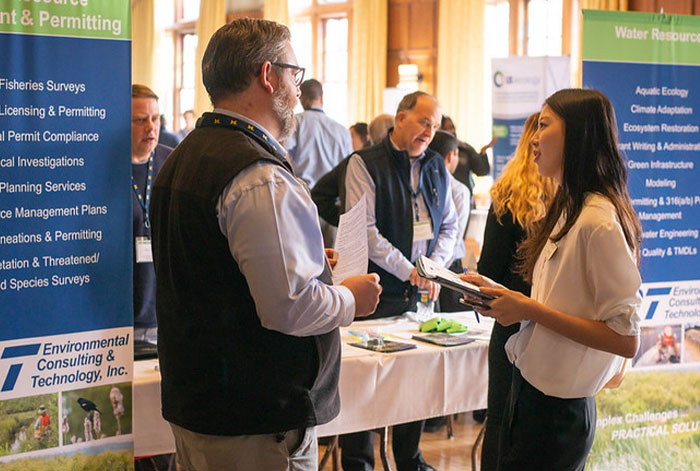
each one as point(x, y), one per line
point(430, 325)
point(456, 328)
point(444, 324)
point(440, 324)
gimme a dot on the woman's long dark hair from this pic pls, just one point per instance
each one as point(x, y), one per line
point(592, 164)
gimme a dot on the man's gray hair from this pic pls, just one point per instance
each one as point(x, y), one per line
point(237, 51)
point(379, 127)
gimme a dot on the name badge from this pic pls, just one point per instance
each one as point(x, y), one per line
point(422, 230)
point(144, 254)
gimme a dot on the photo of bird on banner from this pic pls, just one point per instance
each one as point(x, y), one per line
point(92, 421)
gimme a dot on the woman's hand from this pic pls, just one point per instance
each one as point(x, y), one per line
point(480, 280)
point(508, 307)
point(616, 380)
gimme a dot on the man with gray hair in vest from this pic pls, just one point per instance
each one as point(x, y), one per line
point(410, 213)
point(249, 346)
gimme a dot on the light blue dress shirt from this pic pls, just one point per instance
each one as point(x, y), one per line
point(272, 228)
point(318, 145)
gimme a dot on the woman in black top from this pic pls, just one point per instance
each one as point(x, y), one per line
point(519, 198)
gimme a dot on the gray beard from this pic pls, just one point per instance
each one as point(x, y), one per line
point(283, 108)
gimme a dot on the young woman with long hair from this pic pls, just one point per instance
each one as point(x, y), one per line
point(519, 199)
point(583, 316)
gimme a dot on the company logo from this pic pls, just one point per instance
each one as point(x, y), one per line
point(654, 304)
point(500, 79)
point(13, 372)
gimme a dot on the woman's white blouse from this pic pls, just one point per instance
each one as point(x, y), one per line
point(589, 273)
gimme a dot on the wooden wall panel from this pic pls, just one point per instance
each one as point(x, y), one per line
point(398, 15)
point(643, 5)
point(675, 7)
point(423, 25)
point(413, 40)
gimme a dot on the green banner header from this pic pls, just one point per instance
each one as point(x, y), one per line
point(641, 37)
point(106, 19)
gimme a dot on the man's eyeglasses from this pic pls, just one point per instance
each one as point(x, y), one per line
point(297, 71)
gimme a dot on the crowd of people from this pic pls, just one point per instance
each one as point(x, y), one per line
point(229, 233)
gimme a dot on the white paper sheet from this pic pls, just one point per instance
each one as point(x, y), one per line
point(351, 243)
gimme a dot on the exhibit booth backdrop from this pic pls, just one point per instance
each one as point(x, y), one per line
point(649, 67)
point(66, 355)
point(520, 85)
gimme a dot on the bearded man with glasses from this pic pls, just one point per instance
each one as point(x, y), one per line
point(249, 346)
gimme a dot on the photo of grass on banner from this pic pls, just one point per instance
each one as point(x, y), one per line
point(28, 424)
point(649, 67)
point(33, 423)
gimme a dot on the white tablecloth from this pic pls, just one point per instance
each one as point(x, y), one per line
point(376, 389)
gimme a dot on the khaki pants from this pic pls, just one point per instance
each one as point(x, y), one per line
point(295, 450)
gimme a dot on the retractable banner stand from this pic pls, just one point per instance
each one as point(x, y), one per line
point(66, 351)
point(649, 67)
point(520, 85)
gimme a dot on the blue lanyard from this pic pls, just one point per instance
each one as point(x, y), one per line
point(149, 181)
point(416, 192)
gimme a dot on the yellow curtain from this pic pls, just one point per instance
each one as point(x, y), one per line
point(460, 66)
point(576, 37)
point(277, 10)
point(212, 16)
point(368, 51)
point(143, 42)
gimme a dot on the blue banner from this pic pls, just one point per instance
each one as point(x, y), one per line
point(644, 64)
point(659, 131)
point(66, 347)
point(64, 205)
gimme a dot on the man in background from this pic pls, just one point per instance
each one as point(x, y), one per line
point(470, 161)
point(319, 143)
point(249, 346)
point(379, 127)
point(446, 145)
point(147, 158)
point(188, 116)
point(329, 191)
point(410, 213)
point(166, 137)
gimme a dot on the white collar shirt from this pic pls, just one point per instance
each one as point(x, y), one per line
point(589, 273)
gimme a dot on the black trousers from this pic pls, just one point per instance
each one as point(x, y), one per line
point(543, 432)
point(500, 378)
point(358, 448)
